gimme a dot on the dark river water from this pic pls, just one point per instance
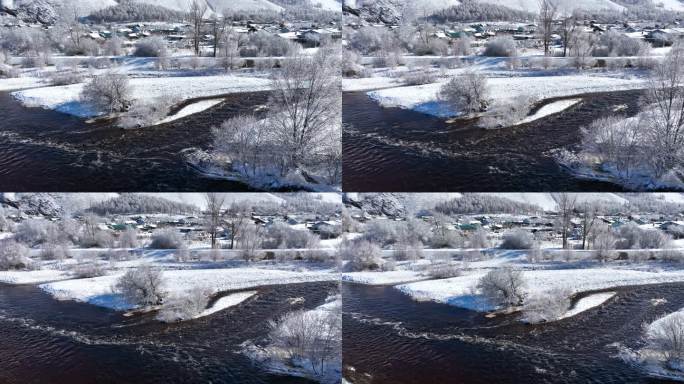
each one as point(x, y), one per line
point(398, 150)
point(44, 150)
point(43, 340)
point(389, 338)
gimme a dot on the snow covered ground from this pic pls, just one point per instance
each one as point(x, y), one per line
point(588, 302)
point(65, 98)
point(462, 291)
point(424, 98)
point(100, 291)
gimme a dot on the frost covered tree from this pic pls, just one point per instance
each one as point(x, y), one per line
point(665, 336)
point(362, 255)
point(517, 239)
point(616, 141)
point(212, 215)
point(129, 238)
point(142, 285)
point(589, 213)
point(503, 286)
point(666, 112)
point(247, 141)
point(466, 93)
point(110, 92)
point(547, 306)
point(565, 203)
point(236, 218)
point(502, 46)
point(314, 337)
point(548, 10)
point(154, 46)
point(167, 238)
point(250, 240)
point(306, 106)
point(196, 13)
point(185, 306)
point(13, 255)
point(478, 239)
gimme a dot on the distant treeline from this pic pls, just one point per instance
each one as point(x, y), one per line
point(132, 203)
point(484, 204)
point(470, 10)
point(129, 10)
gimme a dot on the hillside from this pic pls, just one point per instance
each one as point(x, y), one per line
point(565, 6)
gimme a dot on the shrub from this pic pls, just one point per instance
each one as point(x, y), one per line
point(443, 271)
point(406, 251)
point(142, 286)
point(54, 252)
point(503, 46)
point(166, 239)
point(312, 336)
point(478, 239)
point(36, 231)
point(109, 92)
point(466, 93)
point(547, 306)
point(87, 270)
point(13, 255)
point(518, 239)
point(185, 307)
point(151, 47)
point(419, 77)
point(503, 287)
point(65, 77)
point(363, 255)
point(665, 336)
point(129, 238)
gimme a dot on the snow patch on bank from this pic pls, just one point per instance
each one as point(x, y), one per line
point(550, 109)
point(226, 302)
point(191, 109)
point(588, 302)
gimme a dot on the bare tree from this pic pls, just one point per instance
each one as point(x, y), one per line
point(568, 29)
point(547, 13)
point(589, 211)
point(108, 92)
point(306, 104)
point(313, 336)
point(236, 217)
point(212, 216)
point(666, 336)
point(666, 116)
point(503, 286)
point(142, 286)
point(196, 14)
point(566, 209)
point(467, 93)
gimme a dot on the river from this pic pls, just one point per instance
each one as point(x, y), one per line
point(399, 150)
point(43, 340)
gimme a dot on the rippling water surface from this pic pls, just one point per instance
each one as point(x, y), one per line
point(389, 338)
point(392, 149)
point(47, 341)
point(43, 150)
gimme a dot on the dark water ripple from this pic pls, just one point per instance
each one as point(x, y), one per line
point(392, 149)
point(46, 341)
point(43, 150)
point(390, 338)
